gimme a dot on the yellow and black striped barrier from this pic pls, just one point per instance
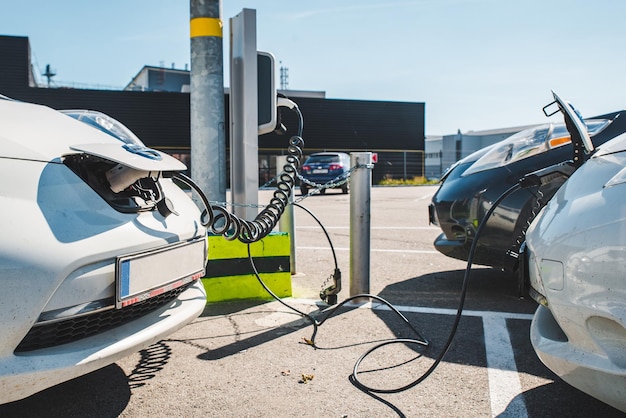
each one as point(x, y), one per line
point(229, 275)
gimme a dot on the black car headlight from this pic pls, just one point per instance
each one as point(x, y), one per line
point(528, 143)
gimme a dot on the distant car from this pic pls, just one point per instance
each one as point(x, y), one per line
point(469, 187)
point(323, 167)
point(576, 251)
point(101, 254)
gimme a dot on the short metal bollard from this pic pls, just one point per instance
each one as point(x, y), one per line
point(360, 214)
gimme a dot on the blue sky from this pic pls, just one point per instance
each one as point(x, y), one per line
point(477, 64)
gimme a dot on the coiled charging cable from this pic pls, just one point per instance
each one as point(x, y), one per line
point(222, 222)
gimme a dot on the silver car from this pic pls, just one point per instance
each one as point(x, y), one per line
point(576, 265)
point(101, 254)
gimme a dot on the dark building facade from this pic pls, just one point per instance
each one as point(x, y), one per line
point(395, 130)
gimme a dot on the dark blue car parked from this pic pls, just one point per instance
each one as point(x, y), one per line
point(324, 167)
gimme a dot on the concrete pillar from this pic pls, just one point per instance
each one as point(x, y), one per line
point(208, 145)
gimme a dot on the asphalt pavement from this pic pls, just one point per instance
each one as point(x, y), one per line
point(255, 358)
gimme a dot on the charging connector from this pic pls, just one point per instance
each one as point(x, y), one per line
point(121, 176)
point(329, 294)
point(557, 172)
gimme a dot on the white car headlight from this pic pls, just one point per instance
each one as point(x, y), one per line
point(529, 142)
point(105, 123)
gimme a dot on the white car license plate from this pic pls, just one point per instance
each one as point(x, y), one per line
point(141, 276)
point(320, 171)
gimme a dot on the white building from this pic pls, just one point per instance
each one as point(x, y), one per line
point(443, 151)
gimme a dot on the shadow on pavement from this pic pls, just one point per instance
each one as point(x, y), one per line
point(103, 393)
point(543, 402)
point(258, 338)
point(488, 290)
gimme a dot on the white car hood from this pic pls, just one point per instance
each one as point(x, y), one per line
point(35, 132)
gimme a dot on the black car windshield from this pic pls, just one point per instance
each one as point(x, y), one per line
point(317, 159)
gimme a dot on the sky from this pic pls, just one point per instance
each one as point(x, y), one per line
point(476, 64)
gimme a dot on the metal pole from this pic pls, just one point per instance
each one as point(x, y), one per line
point(440, 163)
point(208, 145)
point(244, 140)
point(404, 165)
point(287, 222)
point(360, 202)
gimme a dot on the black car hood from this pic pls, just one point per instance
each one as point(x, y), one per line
point(615, 145)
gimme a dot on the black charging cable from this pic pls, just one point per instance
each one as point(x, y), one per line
point(222, 222)
point(557, 172)
point(420, 341)
point(457, 318)
point(246, 235)
point(316, 324)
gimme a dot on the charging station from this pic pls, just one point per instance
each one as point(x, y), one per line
point(252, 110)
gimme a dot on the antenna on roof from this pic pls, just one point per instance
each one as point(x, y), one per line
point(49, 73)
point(284, 77)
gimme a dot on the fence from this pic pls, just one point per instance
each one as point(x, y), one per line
point(392, 164)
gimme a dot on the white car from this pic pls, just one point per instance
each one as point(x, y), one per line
point(577, 265)
point(100, 253)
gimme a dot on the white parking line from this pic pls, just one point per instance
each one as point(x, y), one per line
point(373, 250)
point(428, 196)
point(504, 384)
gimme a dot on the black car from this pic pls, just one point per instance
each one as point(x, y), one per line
point(471, 185)
point(325, 169)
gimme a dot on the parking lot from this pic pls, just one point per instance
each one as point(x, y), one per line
point(250, 358)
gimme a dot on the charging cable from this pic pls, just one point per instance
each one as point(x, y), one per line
point(557, 172)
point(457, 319)
point(222, 222)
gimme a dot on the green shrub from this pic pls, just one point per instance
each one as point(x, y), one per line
point(415, 181)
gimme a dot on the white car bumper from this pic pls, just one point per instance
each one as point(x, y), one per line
point(24, 374)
